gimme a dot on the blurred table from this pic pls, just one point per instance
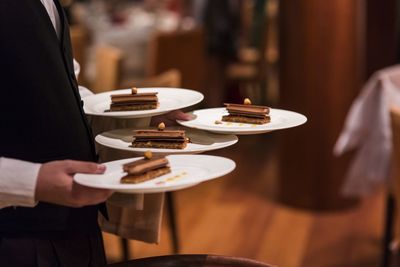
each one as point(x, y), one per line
point(130, 32)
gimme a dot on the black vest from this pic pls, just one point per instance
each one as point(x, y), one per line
point(41, 112)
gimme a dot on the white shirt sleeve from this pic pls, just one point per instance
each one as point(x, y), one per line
point(17, 182)
point(18, 178)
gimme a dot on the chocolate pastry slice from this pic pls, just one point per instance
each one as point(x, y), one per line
point(160, 138)
point(145, 169)
point(247, 113)
point(134, 101)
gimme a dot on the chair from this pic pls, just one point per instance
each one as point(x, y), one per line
point(194, 260)
point(251, 70)
point(392, 224)
point(108, 69)
point(168, 78)
point(181, 50)
point(79, 41)
point(170, 206)
point(108, 73)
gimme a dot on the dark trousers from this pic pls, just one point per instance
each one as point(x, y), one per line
point(72, 251)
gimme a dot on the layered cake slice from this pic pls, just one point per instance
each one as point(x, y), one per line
point(145, 169)
point(247, 113)
point(160, 138)
point(134, 101)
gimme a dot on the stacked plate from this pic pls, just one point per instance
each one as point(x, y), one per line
point(205, 135)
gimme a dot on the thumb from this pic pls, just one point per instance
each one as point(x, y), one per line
point(72, 167)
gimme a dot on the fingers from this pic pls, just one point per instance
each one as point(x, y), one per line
point(55, 184)
point(86, 196)
point(179, 115)
point(170, 118)
point(72, 167)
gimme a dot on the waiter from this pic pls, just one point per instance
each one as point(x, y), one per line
point(45, 218)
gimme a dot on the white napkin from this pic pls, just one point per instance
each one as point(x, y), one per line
point(367, 130)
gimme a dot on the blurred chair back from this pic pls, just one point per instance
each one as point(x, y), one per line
point(168, 78)
point(255, 60)
point(200, 260)
point(181, 50)
point(108, 69)
point(391, 244)
point(395, 121)
point(79, 40)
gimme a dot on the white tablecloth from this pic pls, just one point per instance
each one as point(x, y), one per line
point(367, 130)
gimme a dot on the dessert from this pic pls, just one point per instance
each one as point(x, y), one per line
point(247, 113)
point(160, 138)
point(133, 101)
point(145, 169)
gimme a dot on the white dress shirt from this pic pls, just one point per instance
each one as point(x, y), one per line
point(53, 14)
point(18, 178)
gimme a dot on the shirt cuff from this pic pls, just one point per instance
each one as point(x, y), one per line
point(18, 182)
point(77, 68)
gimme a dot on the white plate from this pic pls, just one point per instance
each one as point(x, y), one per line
point(205, 120)
point(201, 141)
point(169, 98)
point(187, 170)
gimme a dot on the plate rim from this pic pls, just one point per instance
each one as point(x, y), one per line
point(235, 140)
point(246, 131)
point(125, 187)
point(149, 113)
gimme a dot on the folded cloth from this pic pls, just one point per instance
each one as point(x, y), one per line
point(83, 91)
point(367, 130)
point(132, 222)
point(131, 216)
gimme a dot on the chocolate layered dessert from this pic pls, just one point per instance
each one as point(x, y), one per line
point(145, 169)
point(160, 138)
point(134, 101)
point(247, 113)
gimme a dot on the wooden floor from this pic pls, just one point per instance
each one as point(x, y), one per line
point(237, 215)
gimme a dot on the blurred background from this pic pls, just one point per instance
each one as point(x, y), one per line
point(284, 204)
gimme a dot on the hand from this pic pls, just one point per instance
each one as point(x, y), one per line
point(55, 184)
point(170, 118)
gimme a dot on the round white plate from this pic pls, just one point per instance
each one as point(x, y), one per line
point(201, 141)
point(205, 120)
point(169, 98)
point(187, 170)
